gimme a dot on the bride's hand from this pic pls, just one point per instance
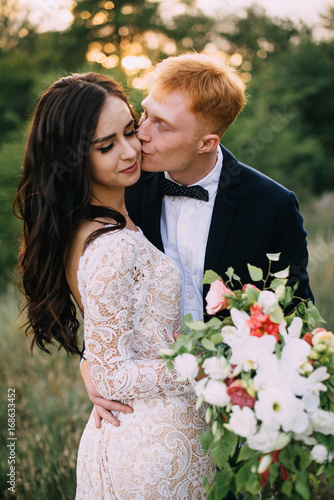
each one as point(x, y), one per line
point(102, 406)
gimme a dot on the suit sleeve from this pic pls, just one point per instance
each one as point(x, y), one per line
point(290, 239)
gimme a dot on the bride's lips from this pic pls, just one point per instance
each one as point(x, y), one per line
point(131, 169)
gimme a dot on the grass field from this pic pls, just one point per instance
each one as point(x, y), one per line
point(52, 406)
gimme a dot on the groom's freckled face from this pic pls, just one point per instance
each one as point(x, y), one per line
point(169, 133)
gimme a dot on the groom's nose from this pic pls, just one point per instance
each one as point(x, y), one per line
point(143, 132)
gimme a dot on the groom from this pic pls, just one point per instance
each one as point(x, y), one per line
point(233, 216)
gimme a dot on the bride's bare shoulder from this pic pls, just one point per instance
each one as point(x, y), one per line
point(75, 249)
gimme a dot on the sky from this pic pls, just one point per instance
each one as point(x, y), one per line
point(54, 14)
point(306, 10)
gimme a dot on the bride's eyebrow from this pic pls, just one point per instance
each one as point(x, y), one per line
point(111, 136)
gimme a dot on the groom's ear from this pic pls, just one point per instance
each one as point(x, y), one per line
point(208, 143)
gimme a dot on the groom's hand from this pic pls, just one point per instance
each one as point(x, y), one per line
point(102, 407)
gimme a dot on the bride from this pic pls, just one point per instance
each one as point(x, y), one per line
point(80, 250)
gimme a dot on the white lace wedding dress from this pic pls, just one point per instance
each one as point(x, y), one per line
point(131, 294)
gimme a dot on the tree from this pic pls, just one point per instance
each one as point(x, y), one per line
point(134, 34)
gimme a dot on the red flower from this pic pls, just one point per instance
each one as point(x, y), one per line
point(308, 338)
point(265, 474)
point(264, 477)
point(261, 324)
point(239, 395)
point(282, 469)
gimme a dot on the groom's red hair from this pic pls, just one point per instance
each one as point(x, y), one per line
point(212, 88)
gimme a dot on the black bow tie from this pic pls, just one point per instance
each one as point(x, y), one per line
point(170, 188)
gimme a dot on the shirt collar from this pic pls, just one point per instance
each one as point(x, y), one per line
point(210, 181)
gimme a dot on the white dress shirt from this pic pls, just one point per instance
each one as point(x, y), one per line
point(184, 225)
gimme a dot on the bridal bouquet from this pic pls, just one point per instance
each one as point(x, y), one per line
point(266, 374)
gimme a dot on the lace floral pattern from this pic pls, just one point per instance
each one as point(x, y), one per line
point(131, 294)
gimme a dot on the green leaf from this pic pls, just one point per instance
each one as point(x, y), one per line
point(314, 481)
point(229, 273)
point(222, 483)
point(208, 344)
point(197, 325)
point(287, 488)
point(273, 473)
point(230, 441)
point(187, 319)
point(252, 294)
point(288, 296)
point(276, 315)
point(206, 439)
point(242, 476)
point(245, 453)
point(304, 461)
point(216, 338)
point(277, 282)
point(209, 277)
point(214, 323)
point(313, 314)
point(302, 486)
point(278, 350)
point(219, 453)
point(282, 274)
point(170, 366)
point(255, 272)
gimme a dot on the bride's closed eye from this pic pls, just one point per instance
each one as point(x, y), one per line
point(106, 148)
point(132, 132)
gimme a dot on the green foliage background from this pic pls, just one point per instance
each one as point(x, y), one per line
point(285, 131)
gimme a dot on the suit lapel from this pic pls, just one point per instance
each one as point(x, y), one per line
point(152, 210)
point(223, 211)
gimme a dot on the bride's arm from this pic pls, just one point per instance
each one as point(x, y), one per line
point(110, 306)
point(102, 407)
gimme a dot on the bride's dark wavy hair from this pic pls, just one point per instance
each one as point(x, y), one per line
point(53, 196)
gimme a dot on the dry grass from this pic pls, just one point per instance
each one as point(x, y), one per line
point(52, 408)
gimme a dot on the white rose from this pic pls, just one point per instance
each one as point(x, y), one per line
point(268, 439)
point(217, 368)
point(322, 421)
point(186, 366)
point(278, 407)
point(252, 350)
point(266, 299)
point(214, 392)
point(294, 354)
point(319, 453)
point(264, 440)
point(233, 335)
point(305, 436)
point(242, 421)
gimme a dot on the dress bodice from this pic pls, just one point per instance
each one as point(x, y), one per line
point(131, 293)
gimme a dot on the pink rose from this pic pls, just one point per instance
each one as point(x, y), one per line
point(239, 395)
point(215, 297)
point(251, 285)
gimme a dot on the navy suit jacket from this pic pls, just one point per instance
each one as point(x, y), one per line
point(252, 215)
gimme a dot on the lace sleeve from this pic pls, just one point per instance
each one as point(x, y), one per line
point(110, 297)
